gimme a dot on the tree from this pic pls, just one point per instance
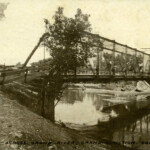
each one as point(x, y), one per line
point(65, 43)
point(68, 48)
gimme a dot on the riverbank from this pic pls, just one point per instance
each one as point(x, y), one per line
point(114, 85)
point(20, 125)
point(122, 88)
point(24, 125)
point(22, 129)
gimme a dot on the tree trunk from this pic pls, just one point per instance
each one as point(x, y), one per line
point(51, 109)
point(43, 98)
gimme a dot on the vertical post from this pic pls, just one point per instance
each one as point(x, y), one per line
point(135, 61)
point(97, 64)
point(75, 67)
point(4, 76)
point(143, 65)
point(100, 58)
point(25, 76)
point(86, 61)
point(126, 53)
point(113, 63)
point(44, 60)
point(149, 65)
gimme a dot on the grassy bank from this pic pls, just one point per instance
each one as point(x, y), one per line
point(31, 131)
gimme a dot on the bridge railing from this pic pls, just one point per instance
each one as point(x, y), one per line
point(11, 75)
point(7, 76)
point(113, 58)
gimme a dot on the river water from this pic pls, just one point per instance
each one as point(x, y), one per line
point(120, 118)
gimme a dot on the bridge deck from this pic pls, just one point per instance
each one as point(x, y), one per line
point(9, 76)
point(105, 77)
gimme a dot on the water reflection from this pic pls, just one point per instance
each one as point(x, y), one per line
point(119, 118)
point(70, 96)
point(81, 111)
point(136, 131)
point(80, 107)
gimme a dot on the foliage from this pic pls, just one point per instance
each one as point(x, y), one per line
point(65, 42)
point(42, 63)
point(123, 63)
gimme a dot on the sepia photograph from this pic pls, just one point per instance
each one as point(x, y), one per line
point(74, 75)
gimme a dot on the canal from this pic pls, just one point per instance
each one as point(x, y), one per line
point(122, 118)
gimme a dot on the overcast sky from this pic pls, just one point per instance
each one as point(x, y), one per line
point(126, 21)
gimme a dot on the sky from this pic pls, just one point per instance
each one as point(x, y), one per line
point(126, 21)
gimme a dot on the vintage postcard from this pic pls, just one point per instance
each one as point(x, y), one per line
point(74, 75)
